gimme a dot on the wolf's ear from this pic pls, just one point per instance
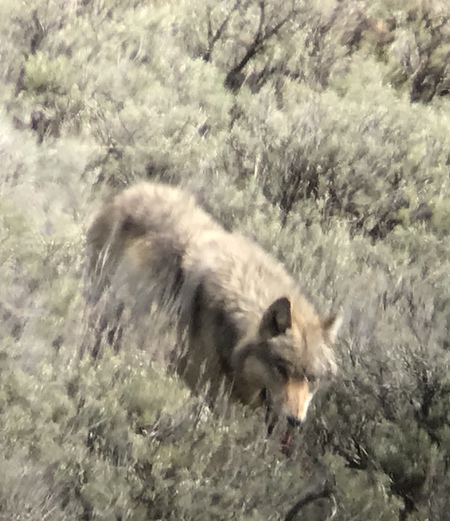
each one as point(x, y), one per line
point(331, 325)
point(277, 318)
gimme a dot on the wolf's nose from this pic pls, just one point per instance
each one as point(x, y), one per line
point(293, 421)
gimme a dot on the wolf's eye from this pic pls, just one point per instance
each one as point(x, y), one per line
point(283, 371)
point(312, 381)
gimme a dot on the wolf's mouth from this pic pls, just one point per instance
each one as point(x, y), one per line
point(286, 440)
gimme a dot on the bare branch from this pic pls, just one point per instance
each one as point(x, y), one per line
point(262, 17)
point(213, 38)
point(38, 34)
point(262, 35)
point(321, 488)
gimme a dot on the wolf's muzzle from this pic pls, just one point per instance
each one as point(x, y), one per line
point(293, 421)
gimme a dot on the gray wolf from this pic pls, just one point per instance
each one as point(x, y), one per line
point(244, 318)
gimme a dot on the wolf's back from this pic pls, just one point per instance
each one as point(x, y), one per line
point(137, 243)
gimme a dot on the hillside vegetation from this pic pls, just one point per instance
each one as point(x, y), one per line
point(322, 130)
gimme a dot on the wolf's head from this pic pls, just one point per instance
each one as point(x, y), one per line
point(282, 364)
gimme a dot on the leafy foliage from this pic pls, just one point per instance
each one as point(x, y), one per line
point(319, 130)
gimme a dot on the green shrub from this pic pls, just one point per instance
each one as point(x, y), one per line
point(319, 130)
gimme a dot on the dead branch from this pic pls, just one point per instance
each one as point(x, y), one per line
point(262, 35)
point(321, 488)
point(214, 37)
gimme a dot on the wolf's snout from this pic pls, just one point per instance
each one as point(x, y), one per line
point(298, 398)
point(293, 421)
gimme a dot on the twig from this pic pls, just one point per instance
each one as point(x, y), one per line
point(214, 37)
point(262, 35)
point(322, 488)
